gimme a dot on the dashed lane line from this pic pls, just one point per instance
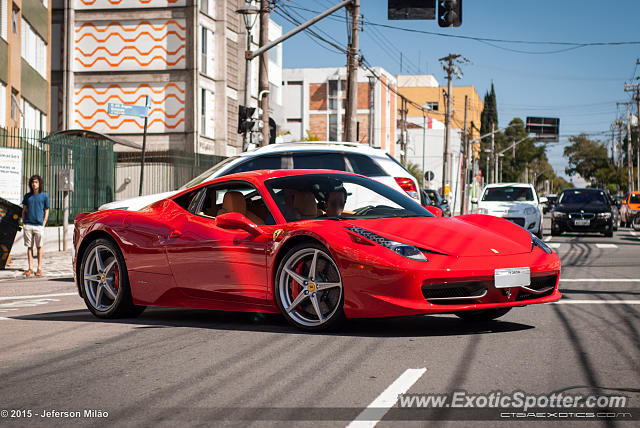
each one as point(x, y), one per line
point(606, 246)
point(596, 302)
point(37, 296)
point(379, 407)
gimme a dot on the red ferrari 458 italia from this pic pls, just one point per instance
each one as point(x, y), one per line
point(315, 245)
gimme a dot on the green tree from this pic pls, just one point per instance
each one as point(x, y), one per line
point(416, 171)
point(588, 158)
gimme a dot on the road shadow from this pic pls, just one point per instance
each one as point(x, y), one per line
point(414, 326)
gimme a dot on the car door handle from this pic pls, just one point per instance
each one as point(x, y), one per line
point(175, 234)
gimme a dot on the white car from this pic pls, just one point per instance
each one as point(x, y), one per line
point(516, 202)
point(351, 157)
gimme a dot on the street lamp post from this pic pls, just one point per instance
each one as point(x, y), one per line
point(249, 14)
point(424, 140)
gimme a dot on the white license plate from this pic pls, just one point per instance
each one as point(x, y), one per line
point(579, 222)
point(512, 277)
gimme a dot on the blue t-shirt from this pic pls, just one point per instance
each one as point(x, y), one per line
point(36, 203)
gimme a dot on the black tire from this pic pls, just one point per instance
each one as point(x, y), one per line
point(635, 223)
point(304, 315)
point(556, 232)
point(482, 314)
point(120, 307)
point(539, 234)
point(609, 233)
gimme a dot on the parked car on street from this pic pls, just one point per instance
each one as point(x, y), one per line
point(349, 157)
point(516, 202)
point(583, 211)
point(439, 201)
point(551, 202)
point(629, 207)
point(301, 243)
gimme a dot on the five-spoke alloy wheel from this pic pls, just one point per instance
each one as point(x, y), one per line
point(104, 281)
point(309, 288)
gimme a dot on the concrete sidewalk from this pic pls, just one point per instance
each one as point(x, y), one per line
point(55, 263)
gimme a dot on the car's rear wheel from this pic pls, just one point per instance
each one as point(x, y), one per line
point(483, 314)
point(308, 288)
point(105, 282)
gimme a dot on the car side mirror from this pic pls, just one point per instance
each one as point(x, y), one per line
point(434, 210)
point(235, 221)
point(474, 200)
point(543, 200)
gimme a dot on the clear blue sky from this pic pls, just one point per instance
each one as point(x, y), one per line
point(579, 86)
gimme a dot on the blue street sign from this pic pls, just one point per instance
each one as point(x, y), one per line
point(128, 110)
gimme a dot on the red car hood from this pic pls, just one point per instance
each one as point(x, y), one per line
point(464, 236)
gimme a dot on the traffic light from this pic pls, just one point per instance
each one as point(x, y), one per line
point(449, 13)
point(245, 123)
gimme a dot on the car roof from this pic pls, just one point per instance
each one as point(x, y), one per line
point(266, 174)
point(315, 146)
point(509, 184)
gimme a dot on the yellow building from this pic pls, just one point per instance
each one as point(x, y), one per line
point(425, 91)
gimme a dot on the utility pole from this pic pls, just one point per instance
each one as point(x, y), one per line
point(403, 131)
point(635, 89)
point(263, 71)
point(372, 106)
point(352, 74)
point(493, 150)
point(465, 158)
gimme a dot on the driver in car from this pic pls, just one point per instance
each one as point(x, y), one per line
point(336, 201)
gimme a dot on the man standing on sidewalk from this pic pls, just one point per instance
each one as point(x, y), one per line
point(35, 212)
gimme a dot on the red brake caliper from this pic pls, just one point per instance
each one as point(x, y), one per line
point(295, 287)
point(116, 278)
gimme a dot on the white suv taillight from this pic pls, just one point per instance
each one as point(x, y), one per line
point(409, 186)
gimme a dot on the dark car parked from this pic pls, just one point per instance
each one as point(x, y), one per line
point(550, 204)
point(583, 211)
point(438, 201)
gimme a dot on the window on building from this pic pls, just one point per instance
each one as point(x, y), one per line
point(208, 7)
point(31, 117)
point(207, 48)
point(34, 49)
point(204, 6)
point(15, 105)
point(3, 18)
point(207, 113)
point(15, 17)
point(432, 105)
point(333, 127)
point(337, 91)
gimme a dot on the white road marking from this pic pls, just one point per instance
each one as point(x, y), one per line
point(633, 233)
point(37, 296)
point(554, 244)
point(381, 405)
point(548, 238)
point(599, 280)
point(597, 302)
point(606, 246)
point(27, 303)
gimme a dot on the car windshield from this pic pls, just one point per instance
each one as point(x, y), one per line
point(205, 175)
point(508, 194)
point(634, 198)
point(339, 197)
point(583, 197)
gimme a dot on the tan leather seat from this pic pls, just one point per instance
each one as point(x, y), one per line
point(234, 202)
point(305, 205)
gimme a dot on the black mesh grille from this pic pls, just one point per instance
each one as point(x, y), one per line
point(517, 220)
point(453, 290)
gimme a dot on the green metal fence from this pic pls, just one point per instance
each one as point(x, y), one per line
point(92, 161)
point(162, 172)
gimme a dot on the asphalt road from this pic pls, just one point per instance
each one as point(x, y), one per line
point(198, 368)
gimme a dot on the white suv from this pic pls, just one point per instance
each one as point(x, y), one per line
point(351, 157)
point(516, 202)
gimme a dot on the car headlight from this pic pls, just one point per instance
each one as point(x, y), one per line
point(604, 215)
point(483, 211)
point(529, 211)
point(405, 250)
point(558, 214)
point(537, 242)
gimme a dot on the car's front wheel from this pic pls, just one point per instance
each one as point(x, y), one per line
point(483, 314)
point(104, 281)
point(308, 288)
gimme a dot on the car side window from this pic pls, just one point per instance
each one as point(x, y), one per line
point(261, 162)
point(319, 161)
point(364, 165)
point(188, 200)
point(236, 197)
